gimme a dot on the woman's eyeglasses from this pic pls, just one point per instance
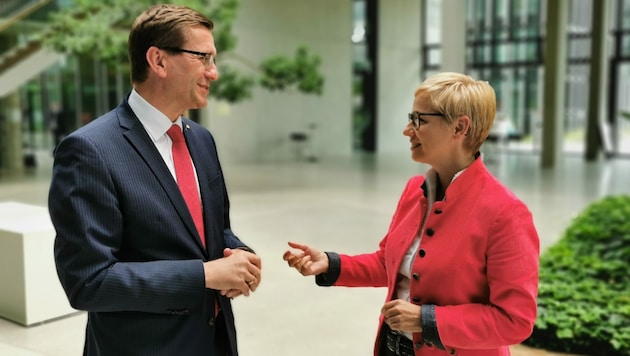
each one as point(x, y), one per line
point(416, 120)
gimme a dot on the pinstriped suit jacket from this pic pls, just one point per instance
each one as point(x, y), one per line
point(127, 250)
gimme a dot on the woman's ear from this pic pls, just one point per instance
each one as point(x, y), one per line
point(157, 61)
point(462, 125)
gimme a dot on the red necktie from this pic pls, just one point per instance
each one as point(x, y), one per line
point(187, 184)
point(186, 178)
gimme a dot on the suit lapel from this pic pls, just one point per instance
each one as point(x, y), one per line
point(137, 136)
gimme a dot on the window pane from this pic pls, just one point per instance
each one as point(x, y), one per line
point(433, 20)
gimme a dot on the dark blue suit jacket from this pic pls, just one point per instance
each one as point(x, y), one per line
point(127, 250)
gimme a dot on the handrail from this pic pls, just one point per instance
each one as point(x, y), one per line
point(15, 10)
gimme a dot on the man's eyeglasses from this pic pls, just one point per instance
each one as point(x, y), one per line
point(207, 59)
point(415, 118)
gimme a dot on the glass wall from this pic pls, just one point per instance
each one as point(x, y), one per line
point(364, 65)
point(505, 48)
point(619, 116)
point(578, 75)
point(66, 96)
point(431, 36)
point(63, 96)
point(505, 45)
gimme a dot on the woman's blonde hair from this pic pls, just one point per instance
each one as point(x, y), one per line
point(456, 94)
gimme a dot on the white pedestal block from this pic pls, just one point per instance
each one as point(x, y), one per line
point(30, 291)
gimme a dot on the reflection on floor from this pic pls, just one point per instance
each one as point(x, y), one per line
point(335, 204)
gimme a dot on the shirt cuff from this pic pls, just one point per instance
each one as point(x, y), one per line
point(329, 278)
point(430, 332)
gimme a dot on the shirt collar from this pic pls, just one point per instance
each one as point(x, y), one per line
point(154, 121)
point(462, 171)
point(431, 180)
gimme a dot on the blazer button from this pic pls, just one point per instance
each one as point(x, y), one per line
point(452, 352)
point(430, 232)
point(417, 345)
point(422, 253)
point(211, 321)
point(438, 211)
point(416, 276)
point(415, 300)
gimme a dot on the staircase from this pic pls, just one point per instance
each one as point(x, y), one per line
point(25, 58)
point(12, 11)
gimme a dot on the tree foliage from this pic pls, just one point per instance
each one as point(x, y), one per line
point(99, 29)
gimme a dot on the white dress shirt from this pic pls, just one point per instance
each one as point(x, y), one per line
point(156, 124)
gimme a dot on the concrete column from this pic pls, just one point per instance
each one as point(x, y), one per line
point(555, 81)
point(399, 62)
point(11, 134)
point(453, 36)
point(597, 132)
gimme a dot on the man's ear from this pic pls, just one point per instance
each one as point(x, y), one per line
point(462, 125)
point(157, 61)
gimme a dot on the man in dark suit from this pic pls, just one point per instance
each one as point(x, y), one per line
point(151, 258)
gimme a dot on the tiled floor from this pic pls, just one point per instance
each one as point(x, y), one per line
point(337, 204)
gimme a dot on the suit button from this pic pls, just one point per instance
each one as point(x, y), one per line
point(211, 321)
point(415, 300)
point(452, 352)
point(416, 276)
point(438, 211)
point(428, 344)
point(430, 232)
point(417, 345)
point(422, 253)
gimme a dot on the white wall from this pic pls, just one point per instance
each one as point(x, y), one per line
point(399, 70)
point(258, 129)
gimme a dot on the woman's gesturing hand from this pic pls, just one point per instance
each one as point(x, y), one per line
point(307, 260)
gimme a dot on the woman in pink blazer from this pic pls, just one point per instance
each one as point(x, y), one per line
point(460, 258)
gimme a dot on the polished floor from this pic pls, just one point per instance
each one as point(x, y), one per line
point(335, 204)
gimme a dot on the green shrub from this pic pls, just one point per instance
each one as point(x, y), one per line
point(584, 290)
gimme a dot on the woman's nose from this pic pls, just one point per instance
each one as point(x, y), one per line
point(408, 130)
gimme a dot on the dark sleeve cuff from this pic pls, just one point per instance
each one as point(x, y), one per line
point(334, 270)
point(233, 242)
point(246, 249)
point(430, 332)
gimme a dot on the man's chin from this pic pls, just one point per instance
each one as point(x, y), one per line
point(201, 104)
